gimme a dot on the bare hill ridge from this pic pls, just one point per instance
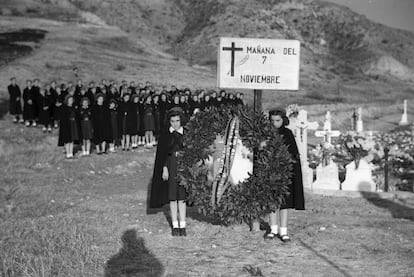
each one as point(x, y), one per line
point(337, 42)
point(345, 57)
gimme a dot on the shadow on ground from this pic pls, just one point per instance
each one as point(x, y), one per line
point(397, 210)
point(326, 259)
point(134, 259)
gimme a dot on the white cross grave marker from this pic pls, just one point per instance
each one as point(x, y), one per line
point(359, 123)
point(327, 133)
point(300, 126)
point(404, 117)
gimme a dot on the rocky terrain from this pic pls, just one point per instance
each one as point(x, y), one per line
point(345, 58)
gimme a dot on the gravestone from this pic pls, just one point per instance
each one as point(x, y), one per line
point(404, 117)
point(327, 177)
point(354, 119)
point(327, 125)
point(359, 123)
point(358, 179)
point(327, 132)
point(300, 125)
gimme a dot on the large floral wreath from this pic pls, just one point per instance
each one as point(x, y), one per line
point(261, 192)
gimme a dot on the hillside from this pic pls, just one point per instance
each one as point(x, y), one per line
point(344, 56)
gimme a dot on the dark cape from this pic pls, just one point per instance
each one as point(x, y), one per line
point(28, 109)
point(100, 120)
point(45, 102)
point(69, 126)
point(162, 192)
point(295, 199)
point(15, 105)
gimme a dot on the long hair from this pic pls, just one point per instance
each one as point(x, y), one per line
point(280, 112)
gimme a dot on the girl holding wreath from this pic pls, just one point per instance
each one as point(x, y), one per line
point(294, 199)
point(166, 188)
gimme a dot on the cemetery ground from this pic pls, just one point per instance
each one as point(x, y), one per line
point(88, 217)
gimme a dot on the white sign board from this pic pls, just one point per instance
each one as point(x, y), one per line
point(248, 63)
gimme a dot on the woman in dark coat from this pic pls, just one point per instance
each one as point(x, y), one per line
point(100, 120)
point(165, 185)
point(29, 105)
point(294, 199)
point(134, 120)
point(123, 113)
point(60, 97)
point(15, 104)
point(85, 116)
point(69, 126)
point(149, 121)
point(113, 113)
point(163, 108)
point(45, 101)
point(157, 116)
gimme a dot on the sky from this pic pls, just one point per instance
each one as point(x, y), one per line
point(394, 13)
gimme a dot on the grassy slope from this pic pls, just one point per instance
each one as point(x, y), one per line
point(88, 216)
point(71, 218)
point(98, 52)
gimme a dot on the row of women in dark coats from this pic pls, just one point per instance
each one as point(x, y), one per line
point(110, 120)
point(105, 121)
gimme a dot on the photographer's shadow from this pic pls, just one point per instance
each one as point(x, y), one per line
point(134, 259)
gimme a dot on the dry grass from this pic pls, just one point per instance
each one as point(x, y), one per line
point(88, 217)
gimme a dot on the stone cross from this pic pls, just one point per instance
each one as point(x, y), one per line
point(327, 135)
point(328, 121)
point(354, 119)
point(359, 123)
point(300, 126)
point(327, 132)
point(404, 117)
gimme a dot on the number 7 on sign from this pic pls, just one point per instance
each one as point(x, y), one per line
point(264, 58)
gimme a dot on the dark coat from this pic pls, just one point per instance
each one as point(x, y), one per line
point(100, 123)
point(28, 104)
point(58, 105)
point(123, 111)
point(36, 96)
point(163, 108)
point(133, 119)
point(295, 199)
point(69, 129)
point(15, 104)
point(162, 192)
point(115, 135)
point(45, 102)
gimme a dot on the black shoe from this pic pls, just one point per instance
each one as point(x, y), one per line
point(284, 238)
point(175, 232)
point(183, 233)
point(270, 235)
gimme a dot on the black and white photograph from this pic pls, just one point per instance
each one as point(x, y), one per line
point(242, 138)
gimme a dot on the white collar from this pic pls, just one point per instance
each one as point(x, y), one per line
point(180, 130)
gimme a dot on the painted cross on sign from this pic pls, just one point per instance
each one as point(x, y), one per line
point(247, 63)
point(233, 48)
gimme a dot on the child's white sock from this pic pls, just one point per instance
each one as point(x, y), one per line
point(182, 224)
point(274, 229)
point(175, 224)
point(283, 231)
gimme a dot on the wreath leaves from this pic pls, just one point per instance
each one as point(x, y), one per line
point(261, 193)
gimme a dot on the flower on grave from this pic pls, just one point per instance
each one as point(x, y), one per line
point(357, 145)
point(292, 110)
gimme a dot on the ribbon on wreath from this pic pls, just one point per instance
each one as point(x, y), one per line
point(220, 181)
